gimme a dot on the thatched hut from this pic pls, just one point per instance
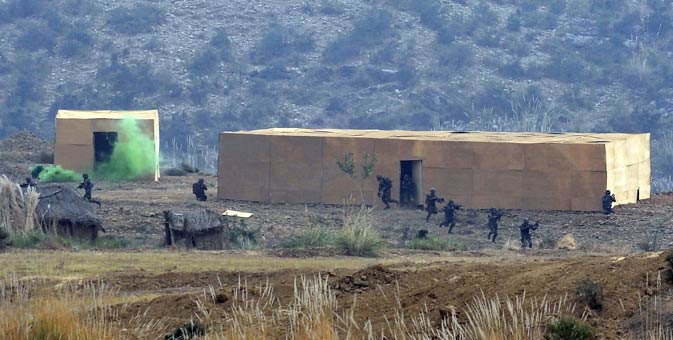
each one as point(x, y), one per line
point(61, 209)
point(204, 229)
point(201, 229)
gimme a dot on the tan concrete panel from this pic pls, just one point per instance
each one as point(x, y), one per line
point(295, 169)
point(560, 202)
point(550, 183)
point(74, 131)
point(336, 185)
point(500, 156)
point(455, 155)
point(644, 178)
point(451, 182)
point(586, 204)
point(244, 180)
point(584, 157)
point(589, 184)
point(410, 149)
point(545, 157)
point(74, 157)
point(244, 147)
point(481, 201)
point(499, 184)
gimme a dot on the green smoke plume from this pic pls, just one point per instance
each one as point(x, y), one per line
point(132, 156)
point(54, 173)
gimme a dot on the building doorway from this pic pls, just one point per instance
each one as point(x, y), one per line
point(411, 183)
point(103, 145)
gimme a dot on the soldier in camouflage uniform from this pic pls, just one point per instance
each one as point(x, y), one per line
point(449, 210)
point(431, 201)
point(493, 216)
point(87, 185)
point(526, 228)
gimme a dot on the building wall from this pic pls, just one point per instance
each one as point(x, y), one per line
point(73, 148)
point(552, 176)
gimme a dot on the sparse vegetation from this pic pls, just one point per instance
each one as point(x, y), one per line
point(589, 293)
point(139, 19)
point(568, 328)
point(314, 237)
point(436, 244)
point(358, 237)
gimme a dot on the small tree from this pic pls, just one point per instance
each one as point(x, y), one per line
point(347, 165)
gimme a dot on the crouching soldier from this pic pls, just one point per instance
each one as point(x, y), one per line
point(28, 184)
point(493, 217)
point(431, 201)
point(608, 199)
point(87, 185)
point(526, 228)
point(199, 190)
point(449, 210)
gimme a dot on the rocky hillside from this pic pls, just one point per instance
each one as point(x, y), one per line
point(534, 65)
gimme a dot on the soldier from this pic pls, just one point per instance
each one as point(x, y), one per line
point(199, 190)
point(385, 188)
point(526, 228)
point(608, 198)
point(431, 200)
point(493, 216)
point(87, 185)
point(449, 209)
point(28, 184)
point(408, 189)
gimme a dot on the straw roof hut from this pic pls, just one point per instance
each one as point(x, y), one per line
point(201, 229)
point(62, 210)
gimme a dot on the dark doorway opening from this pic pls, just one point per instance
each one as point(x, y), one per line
point(103, 145)
point(411, 182)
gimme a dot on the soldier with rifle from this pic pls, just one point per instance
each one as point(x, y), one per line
point(449, 210)
point(384, 192)
point(87, 185)
point(526, 228)
point(431, 201)
point(493, 217)
point(607, 201)
point(199, 190)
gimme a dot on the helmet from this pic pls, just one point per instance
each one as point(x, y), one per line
point(85, 176)
point(450, 202)
point(28, 179)
point(200, 180)
point(607, 192)
point(378, 177)
point(432, 190)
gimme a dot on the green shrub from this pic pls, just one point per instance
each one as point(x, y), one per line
point(436, 244)
point(312, 238)
point(139, 19)
point(189, 168)
point(281, 44)
point(204, 62)
point(456, 56)
point(369, 31)
point(35, 37)
point(358, 237)
point(590, 294)
point(568, 328)
point(28, 240)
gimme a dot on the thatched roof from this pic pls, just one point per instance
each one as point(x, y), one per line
point(66, 205)
point(194, 222)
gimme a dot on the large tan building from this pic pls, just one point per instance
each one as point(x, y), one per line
point(85, 138)
point(477, 169)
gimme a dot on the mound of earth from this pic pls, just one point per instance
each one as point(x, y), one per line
point(365, 279)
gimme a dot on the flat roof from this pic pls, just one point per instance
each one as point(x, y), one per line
point(107, 114)
point(468, 136)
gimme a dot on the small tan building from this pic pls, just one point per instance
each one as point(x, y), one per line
point(85, 138)
point(477, 169)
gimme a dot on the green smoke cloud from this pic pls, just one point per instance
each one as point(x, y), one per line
point(54, 173)
point(132, 156)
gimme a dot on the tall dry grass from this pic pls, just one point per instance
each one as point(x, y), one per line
point(73, 312)
point(653, 317)
point(17, 209)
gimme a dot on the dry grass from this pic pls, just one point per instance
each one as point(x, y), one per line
point(88, 263)
point(72, 312)
point(17, 209)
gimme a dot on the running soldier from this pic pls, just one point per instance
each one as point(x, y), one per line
point(493, 217)
point(526, 228)
point(431, 201)
point(87, 185)
point(449, 210)
point(608, 199)
point(385, 189)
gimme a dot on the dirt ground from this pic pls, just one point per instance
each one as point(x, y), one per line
point(610, 252)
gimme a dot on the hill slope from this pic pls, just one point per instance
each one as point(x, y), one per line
point(543, 65)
